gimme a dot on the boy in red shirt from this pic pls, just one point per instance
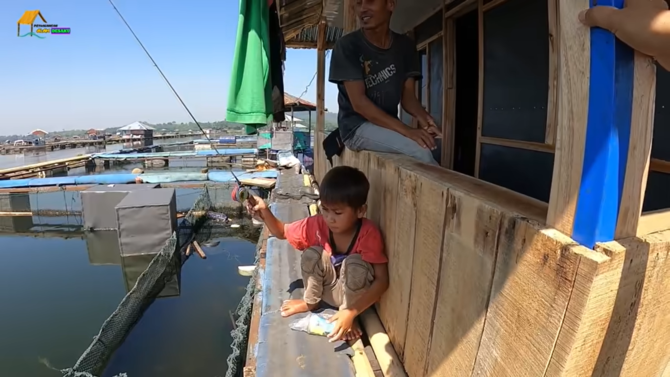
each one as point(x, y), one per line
point(343, 260)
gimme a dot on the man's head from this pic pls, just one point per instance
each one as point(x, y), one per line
point(375, 13)
point(344, 193)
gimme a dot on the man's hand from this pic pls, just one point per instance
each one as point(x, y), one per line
point(255, 205)
point(428, 124)
point(344, 322)
point(644, 25)
point(421, 136)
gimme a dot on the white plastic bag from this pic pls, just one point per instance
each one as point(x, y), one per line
point(314, 323)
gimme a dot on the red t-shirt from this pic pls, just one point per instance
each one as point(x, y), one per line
point(313, 231)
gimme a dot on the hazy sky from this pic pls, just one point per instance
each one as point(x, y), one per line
point(98, 76)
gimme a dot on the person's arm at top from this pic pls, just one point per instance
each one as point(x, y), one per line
point(642, 24)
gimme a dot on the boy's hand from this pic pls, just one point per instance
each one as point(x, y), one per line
point(344, 322)
point(255, 205)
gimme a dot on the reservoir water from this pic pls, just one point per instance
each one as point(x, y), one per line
point(55, 293)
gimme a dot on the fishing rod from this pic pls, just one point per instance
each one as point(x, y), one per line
point(171, 87)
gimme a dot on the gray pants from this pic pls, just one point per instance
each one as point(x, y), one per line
point(370, 137)
point(323, 283)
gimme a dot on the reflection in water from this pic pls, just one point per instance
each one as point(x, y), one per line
point(103, 250)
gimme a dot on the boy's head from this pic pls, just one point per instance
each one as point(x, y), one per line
point(375, 13)
point(344, 193)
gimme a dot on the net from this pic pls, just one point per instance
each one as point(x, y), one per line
point(165, 265)
point(240, 334)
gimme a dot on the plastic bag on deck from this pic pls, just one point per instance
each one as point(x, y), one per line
point(314, 323)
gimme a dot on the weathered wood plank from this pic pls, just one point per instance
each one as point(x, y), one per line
point(638, 337)
point(468, 263)
point(587, 316)
point(430, 211)
point(399, 233)
point(533, 279)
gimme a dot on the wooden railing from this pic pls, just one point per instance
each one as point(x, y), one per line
point(480, 286)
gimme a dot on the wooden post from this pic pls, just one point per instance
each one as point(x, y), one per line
point(605, 123)
point(320, 162)
point(350, 22)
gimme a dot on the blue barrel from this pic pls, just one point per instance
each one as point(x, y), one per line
point(227, 140)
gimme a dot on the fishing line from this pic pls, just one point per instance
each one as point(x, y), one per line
point(170, 85)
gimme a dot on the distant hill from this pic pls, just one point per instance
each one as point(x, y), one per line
point(234, 128)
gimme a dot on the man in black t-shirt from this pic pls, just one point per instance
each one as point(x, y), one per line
point(376, 69)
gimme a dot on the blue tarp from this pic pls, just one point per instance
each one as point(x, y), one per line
point(173, 177)
point(222, 151)
point(109, 179)
point(105, 179)
point(226, 176)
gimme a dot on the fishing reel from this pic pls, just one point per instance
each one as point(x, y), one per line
point(241, 193)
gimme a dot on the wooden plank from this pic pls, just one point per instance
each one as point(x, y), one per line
point(517, 144)
point(350, 22)
point(375, 200)
point(638, 336)
point(449, 105)
point(319, 155)
point(468, 263)
point(550, 130)
point(480, 93)
point(430, 218)
point(574, 77)
point(533, 279)
point(653, 221)
point(399, 233)
point(639, 150)
point(587, 316)
point(381, 345)
point(660, 166)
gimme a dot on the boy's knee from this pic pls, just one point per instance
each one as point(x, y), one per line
point(356, 273)
point(310, 259)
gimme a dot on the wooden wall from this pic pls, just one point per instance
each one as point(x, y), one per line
point(478, 287)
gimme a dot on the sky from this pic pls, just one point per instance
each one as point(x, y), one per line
point(99, 76)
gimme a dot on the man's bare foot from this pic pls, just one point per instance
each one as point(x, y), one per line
point(354, 333)
point(291, 307)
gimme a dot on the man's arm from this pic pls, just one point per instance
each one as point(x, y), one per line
point(362, 105)
point(409, 101)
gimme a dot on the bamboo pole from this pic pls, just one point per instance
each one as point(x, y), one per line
point(386, 356)
point(198, 250)
point(44, 164)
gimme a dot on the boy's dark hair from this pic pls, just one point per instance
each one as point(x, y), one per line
point(344, 185)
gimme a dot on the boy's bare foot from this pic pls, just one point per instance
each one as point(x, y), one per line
point(354, 333)
point(291, 307)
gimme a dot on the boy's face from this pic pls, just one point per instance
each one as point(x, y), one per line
point(341, 218)
point(374, 13)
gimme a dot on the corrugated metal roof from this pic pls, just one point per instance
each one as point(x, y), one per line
point(308, 36)
point(135, 126)
point(299, 19)
point(292, 101)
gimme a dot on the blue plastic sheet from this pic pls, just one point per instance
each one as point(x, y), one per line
point(226, 176)
point(105, 179)
point(173, 177)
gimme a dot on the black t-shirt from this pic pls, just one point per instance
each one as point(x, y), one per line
point(384, 72)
